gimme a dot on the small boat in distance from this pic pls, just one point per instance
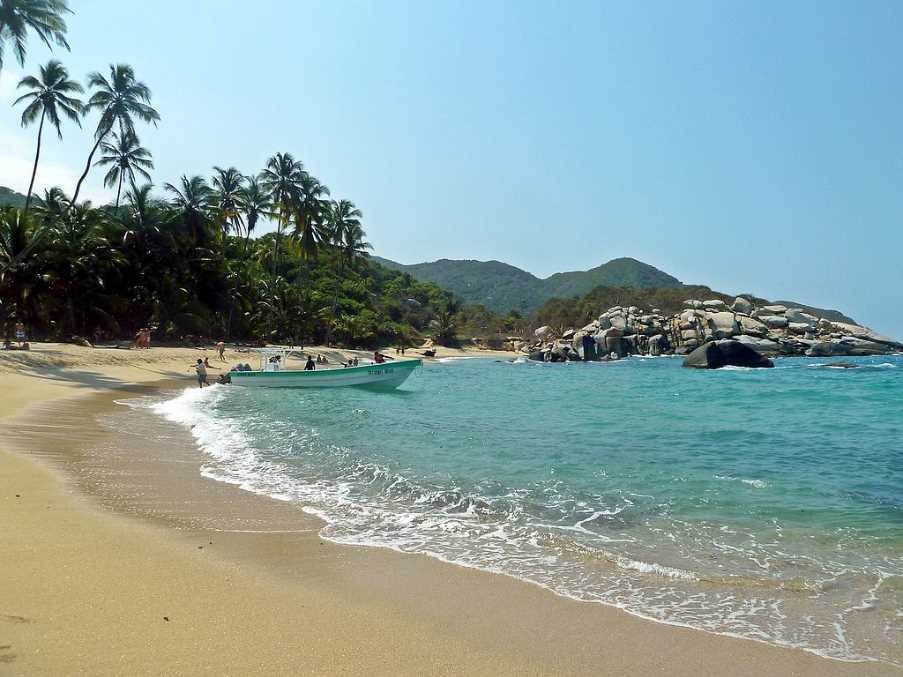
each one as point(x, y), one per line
point(273, 374)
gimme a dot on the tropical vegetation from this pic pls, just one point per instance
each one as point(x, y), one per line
point(182, 258)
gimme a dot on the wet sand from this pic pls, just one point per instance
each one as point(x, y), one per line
point(119, 558)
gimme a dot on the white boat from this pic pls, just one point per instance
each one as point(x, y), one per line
point(272, 374)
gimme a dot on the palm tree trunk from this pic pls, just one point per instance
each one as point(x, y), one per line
point(335, 300)
point(84, 175)
point(278, 241)
point(119, 189)
point(37, 155)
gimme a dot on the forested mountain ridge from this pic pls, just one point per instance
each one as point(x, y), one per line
point(502, 287)
point(9, 197)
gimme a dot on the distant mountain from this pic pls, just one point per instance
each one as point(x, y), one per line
point(502, 287)
point(10, 197)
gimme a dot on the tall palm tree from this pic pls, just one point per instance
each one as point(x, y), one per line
point(227, 186)
point(49, 96)
point(310, 208)
point(126, 156)
point(255, 203)
point(44, 17)
point(192, 201)
point(281, 178)
point(120, 99)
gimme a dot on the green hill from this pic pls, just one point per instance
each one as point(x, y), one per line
point(11, 197)
point(502, 287)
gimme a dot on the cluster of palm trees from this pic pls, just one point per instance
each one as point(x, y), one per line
point(183, 260)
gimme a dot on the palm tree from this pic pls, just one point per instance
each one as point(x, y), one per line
point(281, 178)
point(143, 216)
point(226, 195)
point(192, 201)
point(52, 207)
point(49, 96)
point(120, 99)
point(19, 269)
point(80, 259)
point(255, 203)
point(44, 17)
point(127, 156)
point(50, 211)
point(445, 325)
point(310, 208)
point(347, 235)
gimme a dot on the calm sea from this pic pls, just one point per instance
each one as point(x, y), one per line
point(761, 503)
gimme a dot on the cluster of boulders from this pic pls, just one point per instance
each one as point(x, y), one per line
point(770, 330)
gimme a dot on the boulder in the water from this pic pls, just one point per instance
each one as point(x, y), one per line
point(718, 354)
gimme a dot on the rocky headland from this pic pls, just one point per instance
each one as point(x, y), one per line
point(771, 330)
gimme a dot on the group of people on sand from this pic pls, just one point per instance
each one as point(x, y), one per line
point(200, 368)
point(21, 339)
point(202, 365)
point(143, 338)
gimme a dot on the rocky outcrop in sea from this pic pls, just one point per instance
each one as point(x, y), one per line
point(771, 330)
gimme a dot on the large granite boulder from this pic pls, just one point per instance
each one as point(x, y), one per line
point(693, 303)
point(658, 344)
point(713, 305)
point(797, 316)
point(688, 335)
point(542, 332)
point(619, 322)
point(765, 346)
point(774, 321)
point(718, 354)
point(742, 305)
point(721, 325)
point(750, 325)
point(774, 310)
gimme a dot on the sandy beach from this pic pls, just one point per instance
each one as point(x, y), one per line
point(120, 558)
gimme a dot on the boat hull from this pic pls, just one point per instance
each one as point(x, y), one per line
point(378, 376)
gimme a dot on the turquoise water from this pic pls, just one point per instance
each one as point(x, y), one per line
point(761, 503)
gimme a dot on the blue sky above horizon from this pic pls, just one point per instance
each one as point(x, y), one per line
point(753, 147)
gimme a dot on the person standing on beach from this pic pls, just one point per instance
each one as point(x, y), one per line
point(201, 372)
point(221, 351)
point(20, 333)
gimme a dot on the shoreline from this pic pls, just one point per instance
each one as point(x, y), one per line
point(423, 614)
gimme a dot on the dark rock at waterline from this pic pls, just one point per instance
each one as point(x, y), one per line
point(726, 353)
point(537, 356)
point(589, 348)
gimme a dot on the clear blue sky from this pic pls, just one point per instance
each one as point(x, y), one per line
point(748, 146)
